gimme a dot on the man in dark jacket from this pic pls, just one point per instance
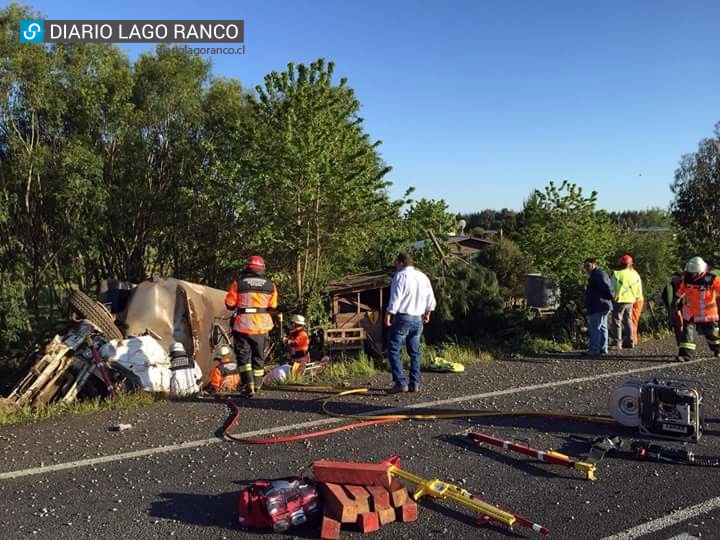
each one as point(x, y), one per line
point(598, 303)
point(675, 320)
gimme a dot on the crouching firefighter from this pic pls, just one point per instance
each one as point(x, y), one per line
point(251, 297)
point(224, 376)
point(696, 298)
point(298, 340)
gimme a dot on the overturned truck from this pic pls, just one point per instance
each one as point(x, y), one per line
point(122, 342)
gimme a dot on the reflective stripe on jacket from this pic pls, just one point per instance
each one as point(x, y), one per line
point(628, 286)
point(699, 297)
point(251, 293)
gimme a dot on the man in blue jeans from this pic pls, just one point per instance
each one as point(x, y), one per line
point(411, 302)
point(599, 296)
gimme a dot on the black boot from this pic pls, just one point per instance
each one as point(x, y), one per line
point(258, 375)
point(248, 383)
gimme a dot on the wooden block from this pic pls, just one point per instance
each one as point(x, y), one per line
point(386, 514)
point(380, 496)
point(360, 496)
point(368, 522)
point(359, 474)
point(407, 512)
point(337, 503)
point(398, 494)
point(330, 529)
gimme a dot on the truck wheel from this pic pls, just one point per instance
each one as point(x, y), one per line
point(94, 312)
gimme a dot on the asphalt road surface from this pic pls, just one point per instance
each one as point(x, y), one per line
point(171, 476)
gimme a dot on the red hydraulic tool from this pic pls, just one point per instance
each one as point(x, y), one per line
point(548, 456)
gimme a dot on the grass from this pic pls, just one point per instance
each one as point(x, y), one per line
point(340, 370)
point(347, 368)
point(10, 414)
point(531, 346)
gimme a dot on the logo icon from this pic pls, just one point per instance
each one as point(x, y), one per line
point(32, 31)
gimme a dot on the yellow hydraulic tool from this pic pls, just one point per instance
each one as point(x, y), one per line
point(445, 490)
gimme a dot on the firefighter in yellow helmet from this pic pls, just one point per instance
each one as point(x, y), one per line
point(224, 376)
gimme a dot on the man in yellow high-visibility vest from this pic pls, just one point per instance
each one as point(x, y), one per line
point(628, 292)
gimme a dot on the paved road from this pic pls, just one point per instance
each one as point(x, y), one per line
point(171, 477)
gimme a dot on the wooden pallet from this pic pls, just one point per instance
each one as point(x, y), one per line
point(345, 339)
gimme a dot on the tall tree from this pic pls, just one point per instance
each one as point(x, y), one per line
point(696, 204)
point(317, 180)
point(561, 229)
point(428, 215)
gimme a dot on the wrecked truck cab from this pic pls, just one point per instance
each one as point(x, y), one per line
point(172, 310)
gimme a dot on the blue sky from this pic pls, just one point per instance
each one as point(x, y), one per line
point(478, 102)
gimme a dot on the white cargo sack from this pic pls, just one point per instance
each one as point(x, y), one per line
point(184, 382)
point(145, 360)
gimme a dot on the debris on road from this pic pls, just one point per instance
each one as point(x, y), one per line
point(120, 427)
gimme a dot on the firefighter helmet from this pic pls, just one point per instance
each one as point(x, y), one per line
point(625, 260)
point(222, 352)
point(177, 347)
point(298, 319)
point(696, 266)
point(255, 263)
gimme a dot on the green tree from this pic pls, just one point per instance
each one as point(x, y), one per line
point(428, 215)
point(561, 229)
point(315, 177)
point(510, 265)
point(696, 204)
point(655, 258)
point(467, 295)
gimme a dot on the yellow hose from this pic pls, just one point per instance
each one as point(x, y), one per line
point(339, 392)
point(452, 415)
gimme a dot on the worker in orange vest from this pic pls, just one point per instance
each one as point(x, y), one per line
point(298, 340)
point(224, 376)
point(251, 297)
point(696, 298)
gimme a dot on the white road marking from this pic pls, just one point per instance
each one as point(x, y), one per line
point(323, 422)
point(684, 536)
point(666, 521)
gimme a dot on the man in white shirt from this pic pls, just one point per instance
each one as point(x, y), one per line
point(411, 301)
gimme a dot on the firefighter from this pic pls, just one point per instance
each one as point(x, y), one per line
point(298, 340)
point(251, 297)
point(224, 376)
point(628, 292)
point(696, 298)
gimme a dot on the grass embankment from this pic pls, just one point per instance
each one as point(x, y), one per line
point(10, 414)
